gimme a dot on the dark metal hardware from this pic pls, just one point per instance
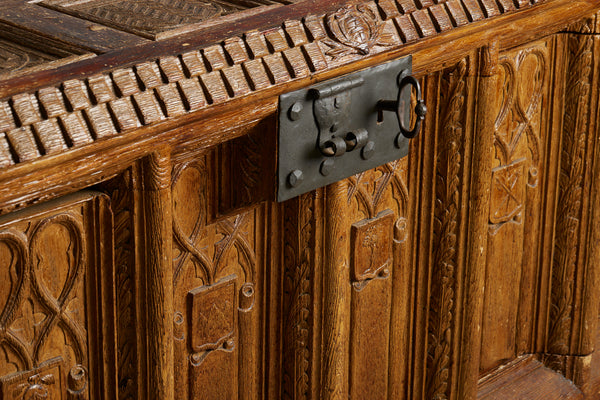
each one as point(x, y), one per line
point(337, 146)
point(295, 178)
point(334, 129)
point(330, 106)
point(397, 106)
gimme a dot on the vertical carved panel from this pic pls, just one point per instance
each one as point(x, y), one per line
point(569, 261)
point(456, 156)
point(377, 203)
point(585, 341)
point(300, 274)
point(218, 296)
point(335, 355)
point(120, 190)
point(247, 170)
point(54, 312)
point(517, 186)
point(339, 299)
point(157, 272)
point(449, 182)
point(371, 263)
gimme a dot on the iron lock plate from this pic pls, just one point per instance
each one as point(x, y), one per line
point(336, 129)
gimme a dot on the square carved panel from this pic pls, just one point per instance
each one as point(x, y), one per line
point(508, 191)
point(45, 382)
point(372, 246)
point(212, 314)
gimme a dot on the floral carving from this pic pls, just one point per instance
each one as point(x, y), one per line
point(449, 169)
point(356, 30)
point(570, 194)
point(298, 311)
point(120, 191)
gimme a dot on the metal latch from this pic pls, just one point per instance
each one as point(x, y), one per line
point(341, 127)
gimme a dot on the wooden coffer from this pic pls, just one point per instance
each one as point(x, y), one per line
point(143, 254)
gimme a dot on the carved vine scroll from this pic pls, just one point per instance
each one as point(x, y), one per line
point(449, 167)
point(568, 236)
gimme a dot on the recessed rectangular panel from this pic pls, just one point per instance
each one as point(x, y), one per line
point(47, 381)
point(14, 57)
point(151, 18)
point(371, 246)
point(212, 314)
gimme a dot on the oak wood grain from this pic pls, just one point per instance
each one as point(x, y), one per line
point(479, 205)
point(527, 378)
point(336, 302)
point(158, 273)
point(467, 269)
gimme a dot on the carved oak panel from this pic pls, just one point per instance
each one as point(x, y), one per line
point(212, 315)
point(407, 281)
point(151, 17)
point(515, 215)
point(376, 203)
point(450, 168)
point(14, 57)
point(56, 312)
point(372, 247)
point(218, 292)
point(44, 382)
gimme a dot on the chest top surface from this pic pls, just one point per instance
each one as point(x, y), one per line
point(80, 76)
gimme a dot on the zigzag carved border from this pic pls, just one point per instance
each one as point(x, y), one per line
point(80, 111)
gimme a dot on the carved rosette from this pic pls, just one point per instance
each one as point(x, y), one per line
point(590, 25)
point(355, 30)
